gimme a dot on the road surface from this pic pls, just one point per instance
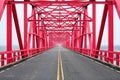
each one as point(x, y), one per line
point(59, 64)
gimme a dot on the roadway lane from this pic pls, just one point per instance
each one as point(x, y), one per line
point(41, 67)
point(59, 64)
point(78, 67)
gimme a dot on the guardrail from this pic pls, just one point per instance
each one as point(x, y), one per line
point(8, 57)
point(102, 55)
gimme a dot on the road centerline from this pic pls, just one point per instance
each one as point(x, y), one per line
point(58, 68)
point(60, 71)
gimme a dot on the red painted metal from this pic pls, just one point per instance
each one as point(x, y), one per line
point(25, 29)
point(94, 27)
point(2, 6)
point(9, 32)
point(117, 2)
point(60, 22)
point(17, 26)
point(102, 28)
point(110, 32)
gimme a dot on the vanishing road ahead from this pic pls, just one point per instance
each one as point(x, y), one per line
point(59, 64)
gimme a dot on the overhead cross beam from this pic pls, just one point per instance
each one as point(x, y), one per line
point(60, 2)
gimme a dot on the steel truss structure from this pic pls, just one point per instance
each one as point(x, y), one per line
point(64, 22)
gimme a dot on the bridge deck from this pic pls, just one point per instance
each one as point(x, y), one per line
point(45, 67)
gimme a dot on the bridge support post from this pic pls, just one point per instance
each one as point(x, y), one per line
point(33, 27)
point(94, 30)
point(2, 59)
point(25, 31)
point(110, 32)
point(9, 32)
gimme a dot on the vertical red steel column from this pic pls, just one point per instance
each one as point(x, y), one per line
point(37, 37)
point(9, 32)
point(94, 28)
point(117, 59)
point(70, 41)
point(2, 59)
point(33, 28)
point(51, 43)
point(85, 29)
point(45, 40)
point(110, 31)
point(41, 33)
point(25, 30)
point(73, 40)
point(38, 32)
point(77, 37)
point(80, 33)
point(48, 41)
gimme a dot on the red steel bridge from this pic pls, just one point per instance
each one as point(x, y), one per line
point(54, 28)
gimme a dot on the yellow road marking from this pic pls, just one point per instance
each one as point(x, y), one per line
point(62, 72)
point(60, 67)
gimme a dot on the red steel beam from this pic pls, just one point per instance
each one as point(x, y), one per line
point(9, 32)
point(60, 2)
point(2, 7)
point(17, 27)
point(102, 28)
point(83, 29)
point(110, 32)
point(94, 27)
point(33, 29)
point(25, 29)
point(117, 5)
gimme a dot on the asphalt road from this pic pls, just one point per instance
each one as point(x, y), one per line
point(59, 64)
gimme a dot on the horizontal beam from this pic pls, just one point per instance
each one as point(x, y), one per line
point(52, 26)
point(60, 30)
point(59, 20)
point(70, 2)
point(34, 34)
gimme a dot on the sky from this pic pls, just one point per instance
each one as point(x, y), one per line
point(99, 16)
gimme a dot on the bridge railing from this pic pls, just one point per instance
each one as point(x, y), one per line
point(102, 55)
point(10, 57)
